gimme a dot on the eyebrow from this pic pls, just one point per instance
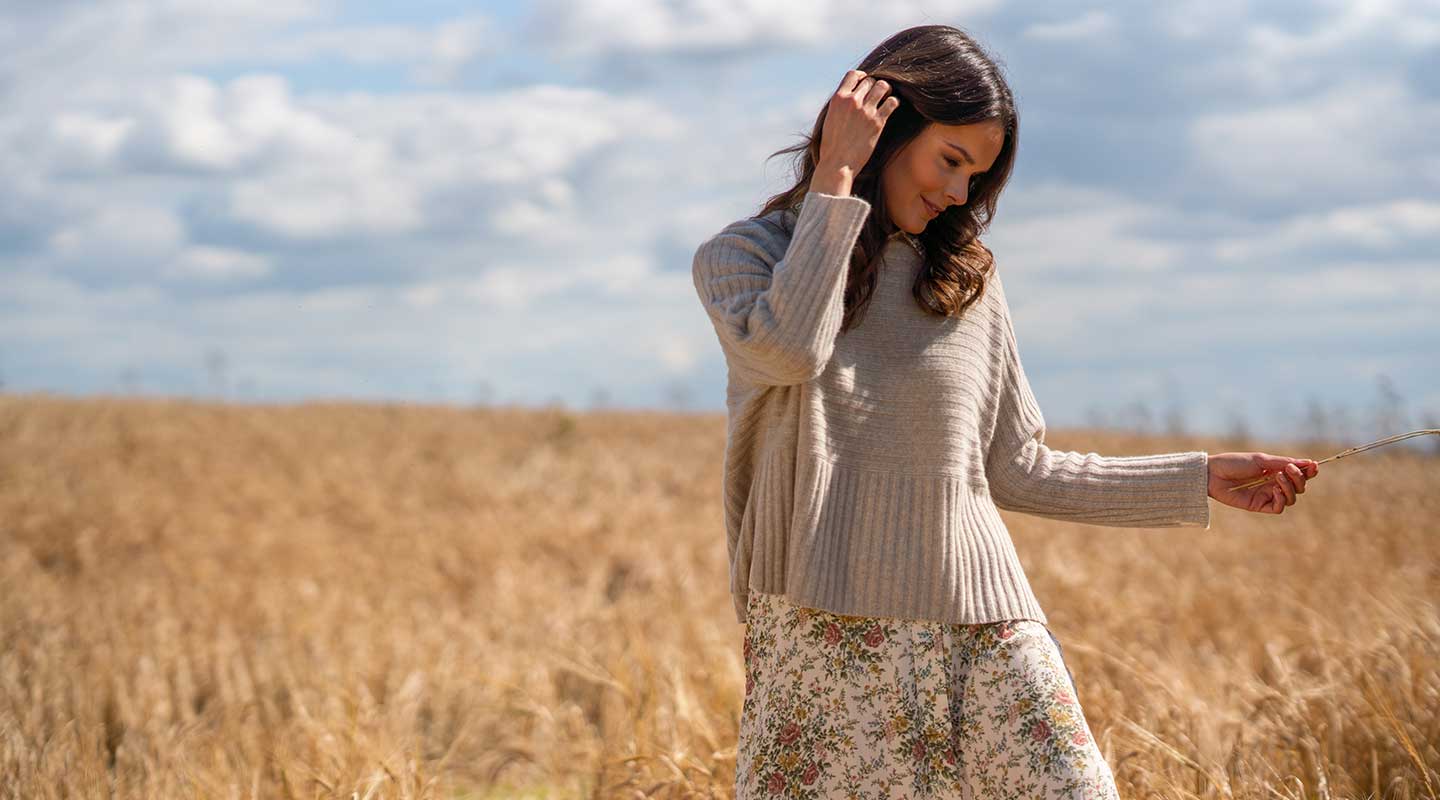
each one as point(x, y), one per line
point(962, 150)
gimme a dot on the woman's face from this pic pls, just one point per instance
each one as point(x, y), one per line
point(936, 167)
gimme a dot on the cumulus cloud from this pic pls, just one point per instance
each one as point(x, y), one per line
point(1384, 227)
point(1333, 146)
point(71, 48)
point(656, 27)
point(85, 141)
point(1089, 25)
point(117, 233)
point(376, 165)
point(436, 52)
point(371, 199)
point(1054, 226)
point(208, 263)
point(187, 122)
point(1063, 252)
point(1280, 57)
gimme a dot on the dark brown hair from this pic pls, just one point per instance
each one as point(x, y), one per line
point(940, 75)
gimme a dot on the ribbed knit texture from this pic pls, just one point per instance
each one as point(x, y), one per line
point(864, 470)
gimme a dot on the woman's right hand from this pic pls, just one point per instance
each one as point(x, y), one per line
point(1233, 469)
point(853, 122)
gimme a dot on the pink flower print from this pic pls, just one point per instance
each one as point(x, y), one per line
point(749, 683)
point(1079, 737)
point(811, 773)
point(832, 634)
point(1063, 695)
point(776, 784)
point(918, 750)
point(950, 755)
point(1041, 731)
point(1012, 712)
point(1006, 631)
point(874, 636)
point(747, 648)
point(790, 732)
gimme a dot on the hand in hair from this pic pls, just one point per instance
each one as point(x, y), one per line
point(853, 121)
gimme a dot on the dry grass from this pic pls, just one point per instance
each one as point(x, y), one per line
point(337, 600)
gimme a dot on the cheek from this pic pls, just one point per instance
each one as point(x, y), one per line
point(926, 174)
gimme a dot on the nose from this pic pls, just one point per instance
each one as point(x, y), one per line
point(956, 196)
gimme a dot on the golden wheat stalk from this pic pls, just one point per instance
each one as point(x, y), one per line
point(1350, 452)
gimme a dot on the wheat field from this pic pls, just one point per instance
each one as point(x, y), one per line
point(351, 600)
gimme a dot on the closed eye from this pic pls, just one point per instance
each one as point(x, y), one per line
point(953, 163)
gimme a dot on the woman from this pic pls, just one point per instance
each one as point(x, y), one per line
point(878, 418)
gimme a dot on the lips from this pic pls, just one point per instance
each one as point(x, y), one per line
point(933, 210)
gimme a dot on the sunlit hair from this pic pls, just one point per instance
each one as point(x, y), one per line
point(940, 74)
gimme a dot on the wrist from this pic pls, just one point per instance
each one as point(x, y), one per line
point(832, 179)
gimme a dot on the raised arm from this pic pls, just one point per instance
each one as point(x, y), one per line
point(1151, 491)
point(777, 319)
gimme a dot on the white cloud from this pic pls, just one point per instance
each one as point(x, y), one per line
point(1053, 227)
point(1323, 293)
point(424, 295)
point(190, 122)
point(437, 53)
point(1379, 227)
point(138, 244)
point(658, 27)
point(511, 150)
point(1276, 313)
point(120, 232)
point(209, 263)
point(1274, 60)
point(1200, 19)
point(70, 49)
point(1328, 146)
point(87, 140)
point(1064, 226)
point(678, 355)
point(1409, 23)
point(616, 275)
point(371, 198)
point(1090, 25)
point(318, 166)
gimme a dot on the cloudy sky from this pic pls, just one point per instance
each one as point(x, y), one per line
point(1220, 208)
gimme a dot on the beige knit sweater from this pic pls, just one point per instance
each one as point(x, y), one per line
point(863, 470)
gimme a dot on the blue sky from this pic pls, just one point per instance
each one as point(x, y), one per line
point(1219, 208)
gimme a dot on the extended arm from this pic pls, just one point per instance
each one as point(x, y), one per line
point(1150, 491)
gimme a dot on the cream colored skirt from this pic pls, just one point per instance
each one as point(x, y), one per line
point(843, 706)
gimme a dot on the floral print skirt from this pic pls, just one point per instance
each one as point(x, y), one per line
point(840, 706)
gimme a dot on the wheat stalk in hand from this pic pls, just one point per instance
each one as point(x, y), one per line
point(1348, 452)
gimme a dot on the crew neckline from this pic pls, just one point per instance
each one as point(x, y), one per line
point(910, 239)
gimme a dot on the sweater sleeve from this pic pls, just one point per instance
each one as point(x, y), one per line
point(1150, 491)
point(777, 320)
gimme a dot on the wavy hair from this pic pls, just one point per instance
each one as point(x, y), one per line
point(940, 75)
